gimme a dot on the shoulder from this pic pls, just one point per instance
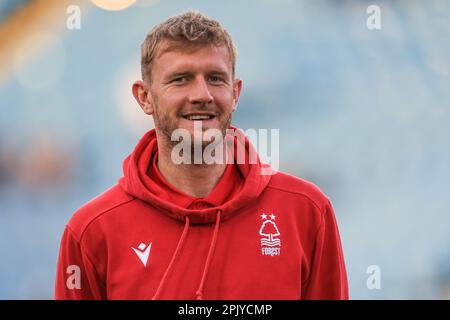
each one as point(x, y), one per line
point(106, 202)
point(289, 184)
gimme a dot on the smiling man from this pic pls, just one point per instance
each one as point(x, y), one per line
point(227, 229)
point(184, 84)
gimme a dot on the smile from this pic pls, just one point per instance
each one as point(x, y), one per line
point(193, 117)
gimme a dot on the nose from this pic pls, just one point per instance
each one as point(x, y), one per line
point(199, 92)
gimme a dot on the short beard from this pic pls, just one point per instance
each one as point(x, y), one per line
point(166, 126)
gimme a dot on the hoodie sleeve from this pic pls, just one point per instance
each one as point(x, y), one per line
point(328, 275)
point(76, 277)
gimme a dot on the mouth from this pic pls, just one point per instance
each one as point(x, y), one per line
point(199, 116)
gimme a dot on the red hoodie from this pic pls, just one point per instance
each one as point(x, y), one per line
point(269, 237)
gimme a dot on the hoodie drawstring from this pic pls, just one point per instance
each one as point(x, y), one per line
point(174, 256)
point(199, 293)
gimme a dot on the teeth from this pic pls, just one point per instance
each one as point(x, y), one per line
point(199, 117)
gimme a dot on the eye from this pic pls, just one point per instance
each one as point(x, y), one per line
point(179, 80)
point(215, 79)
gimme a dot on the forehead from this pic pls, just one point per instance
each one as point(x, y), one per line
point(174, 57)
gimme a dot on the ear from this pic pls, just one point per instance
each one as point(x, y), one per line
point(237, 87)
point(141, 93)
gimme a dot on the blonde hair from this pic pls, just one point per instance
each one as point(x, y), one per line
point(192, 28)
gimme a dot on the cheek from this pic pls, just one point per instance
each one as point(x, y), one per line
point(170, 103)
point(224, 99)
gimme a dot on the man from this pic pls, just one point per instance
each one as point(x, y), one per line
point(192, 229)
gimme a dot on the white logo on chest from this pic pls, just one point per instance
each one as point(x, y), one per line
point(143, 251)
point(270, 246)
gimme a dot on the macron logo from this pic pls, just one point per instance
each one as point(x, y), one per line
point(143, 252)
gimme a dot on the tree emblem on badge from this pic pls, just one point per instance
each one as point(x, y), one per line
point(269, 230)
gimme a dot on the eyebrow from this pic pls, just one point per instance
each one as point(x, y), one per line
point(177, 74)
point(184, 73)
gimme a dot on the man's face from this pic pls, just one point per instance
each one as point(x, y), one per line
point(192, 83)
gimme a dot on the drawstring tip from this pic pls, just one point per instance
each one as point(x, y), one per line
point(199, 295)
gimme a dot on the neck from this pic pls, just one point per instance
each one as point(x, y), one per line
point(196, 180)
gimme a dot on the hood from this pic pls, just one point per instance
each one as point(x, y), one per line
point(137, 183)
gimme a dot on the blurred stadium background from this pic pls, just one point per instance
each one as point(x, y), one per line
point(364, 114)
